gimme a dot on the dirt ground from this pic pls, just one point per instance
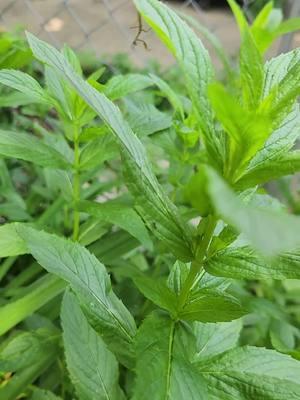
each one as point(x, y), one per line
point(105, 26)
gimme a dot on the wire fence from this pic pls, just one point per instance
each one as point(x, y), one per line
point(109, 26)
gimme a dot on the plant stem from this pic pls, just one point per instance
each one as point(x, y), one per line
point(76, 186)
point(197, 264)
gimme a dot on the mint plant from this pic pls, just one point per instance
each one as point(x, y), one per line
point(182, 341)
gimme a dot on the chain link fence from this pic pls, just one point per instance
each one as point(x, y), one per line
point(109, 26)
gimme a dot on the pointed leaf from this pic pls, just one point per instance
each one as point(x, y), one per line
point(208, 305)
point(243, 263)
point(121, 85)
point(88, 277)
point(120, 214)
point(213, 339)
point(93, 368)
point(27, 147)
point(24, 83)
point(11, 244)
point(163, 369)
point(249, 372)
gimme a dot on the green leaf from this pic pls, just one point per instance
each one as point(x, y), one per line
point(277, 68)
point(93, 368)
point(178, 274)
point(247, 129)
point(251, 70)
point(280, 141)
point(262, 18)
point(243, 263)
point(42, 291)
point(169, 225)
point(61, 92)
point(11, 244)
point(286, 164)
point(15, 99)
point(163, 369)
point(25, 349)
point(192, 57)
point(238, 14)
point(271, 233)
point(89, 279)
point(160, 215)
point(281, 84)
point(158, 292)
point(24, 83)
point(290, 25)
point(121, 214)
point(213, 339)
point(40, 394)
point(27, 147)
point(40, 353)
point(169, 93)
point(146, 119)
point(96, 151)
point(265, 26)
point(286, 93)
point(121, 85)
point(206, 305)
point(252, 373)
point(212, 39)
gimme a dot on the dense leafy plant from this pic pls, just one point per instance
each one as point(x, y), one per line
point(221, 144)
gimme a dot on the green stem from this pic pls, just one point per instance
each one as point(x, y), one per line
point(170, 352)
point(76, 186)
point(197, 264)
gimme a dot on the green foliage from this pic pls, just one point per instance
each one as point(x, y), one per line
point(93, 368)
point(141, 257)
point(87, 276)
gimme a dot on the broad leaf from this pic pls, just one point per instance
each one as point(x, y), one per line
point(252, 373)
point(206, 305)
point(11, 244)
point(169, 225)
point(93, 368)
point(26, 348)
point(286, 164)
point(278, 67)
point(40, 353)
point(120, 214)
point(27, 147)
point(146, 119)
point(243, 263)
point(96, 151)
point(280, 141)
point(163, 369)
point(88, 277)
point(213, 339)
point(158, 292)
point(271, 233)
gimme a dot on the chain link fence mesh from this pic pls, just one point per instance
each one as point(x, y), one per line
point(109, 26)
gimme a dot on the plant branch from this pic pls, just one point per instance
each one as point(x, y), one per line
point(197, 264)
